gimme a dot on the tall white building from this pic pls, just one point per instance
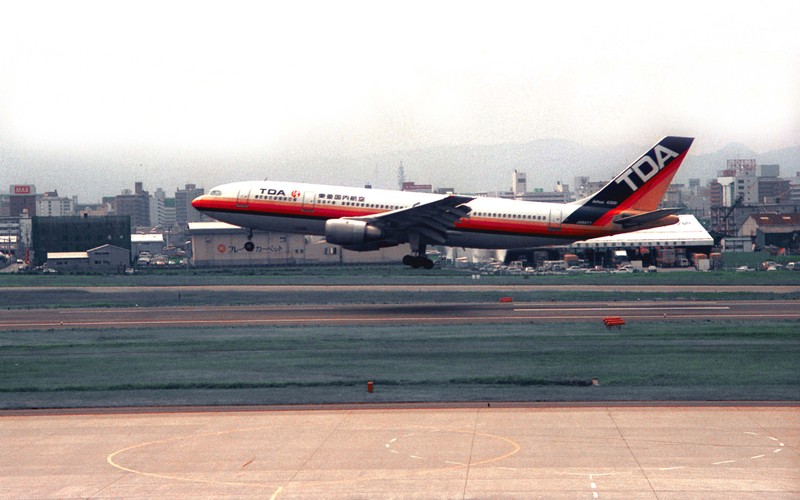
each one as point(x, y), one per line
point(158, 208)
point(794, 189)
point(519, 184)
point(739, 181)
point(52, 205)
point(747, 187)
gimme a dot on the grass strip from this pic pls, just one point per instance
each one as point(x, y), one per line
point(682, 360)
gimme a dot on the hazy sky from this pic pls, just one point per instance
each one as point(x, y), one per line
point(268, 82)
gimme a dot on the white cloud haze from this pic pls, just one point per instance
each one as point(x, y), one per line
point(209, 92)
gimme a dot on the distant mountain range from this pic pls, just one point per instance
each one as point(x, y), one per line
point(706, 166)
point(472, 168)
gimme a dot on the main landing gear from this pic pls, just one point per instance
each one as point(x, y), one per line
point(417, 258)
point(417, 261)
point(249, 246)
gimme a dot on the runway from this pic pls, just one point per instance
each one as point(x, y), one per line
point(424, 289)
point(525, 451)
point(469, 450)
point(420, 313)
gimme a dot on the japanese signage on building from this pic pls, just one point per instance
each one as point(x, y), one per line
point(22, 189)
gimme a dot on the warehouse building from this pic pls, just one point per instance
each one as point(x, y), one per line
point(773, 230)
point(150, 243)
point(103, 259)
point(217, 244)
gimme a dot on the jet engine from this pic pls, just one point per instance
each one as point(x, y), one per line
point(350, 232)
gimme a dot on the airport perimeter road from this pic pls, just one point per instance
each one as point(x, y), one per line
point(477, 452)
point(425, 313)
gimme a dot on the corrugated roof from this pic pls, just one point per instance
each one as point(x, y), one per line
point(777, 219)
point(67, 255)
point(147, 238)
point(109, 245)
point(212, 226)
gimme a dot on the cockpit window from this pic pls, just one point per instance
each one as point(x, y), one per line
point(216, 192)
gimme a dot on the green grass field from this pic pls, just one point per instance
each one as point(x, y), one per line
point(388, 275)
point(87, 291)
point(508, 362)
point(45, 298)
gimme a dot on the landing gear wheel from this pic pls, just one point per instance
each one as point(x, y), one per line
point(249, 246)
point(416, 262)
point(417, 258)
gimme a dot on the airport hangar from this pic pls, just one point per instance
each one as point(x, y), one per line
point(664, 246)
point(217, 244)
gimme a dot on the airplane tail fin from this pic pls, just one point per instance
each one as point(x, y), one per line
point(637, 189)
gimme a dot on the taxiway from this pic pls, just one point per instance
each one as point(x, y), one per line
point(425, 313)
point(458, 452)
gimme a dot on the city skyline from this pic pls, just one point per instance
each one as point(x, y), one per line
point(713, 164)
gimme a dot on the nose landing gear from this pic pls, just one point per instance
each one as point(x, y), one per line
point(249, 246)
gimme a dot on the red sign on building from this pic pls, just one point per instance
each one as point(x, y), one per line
point(22, 189)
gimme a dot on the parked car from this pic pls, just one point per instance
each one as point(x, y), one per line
point(596, 270)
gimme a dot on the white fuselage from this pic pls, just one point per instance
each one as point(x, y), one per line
point(304, 208)
point(367, 219)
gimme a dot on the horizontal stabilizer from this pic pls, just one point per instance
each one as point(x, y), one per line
point(628, 221)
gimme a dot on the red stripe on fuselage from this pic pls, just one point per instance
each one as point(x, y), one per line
point(324, 211)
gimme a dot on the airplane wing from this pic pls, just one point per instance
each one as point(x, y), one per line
point(628, 221)
point(431, 220)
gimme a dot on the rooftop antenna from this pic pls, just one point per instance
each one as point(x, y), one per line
point(401, 175)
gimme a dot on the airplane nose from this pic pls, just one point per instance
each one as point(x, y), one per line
point(199, 202)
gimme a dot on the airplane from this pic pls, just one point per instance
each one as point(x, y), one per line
point(363, 219)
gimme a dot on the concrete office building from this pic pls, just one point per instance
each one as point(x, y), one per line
point(135, 204)
point(52, 205)
point(22, 200)
point(184, 212)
